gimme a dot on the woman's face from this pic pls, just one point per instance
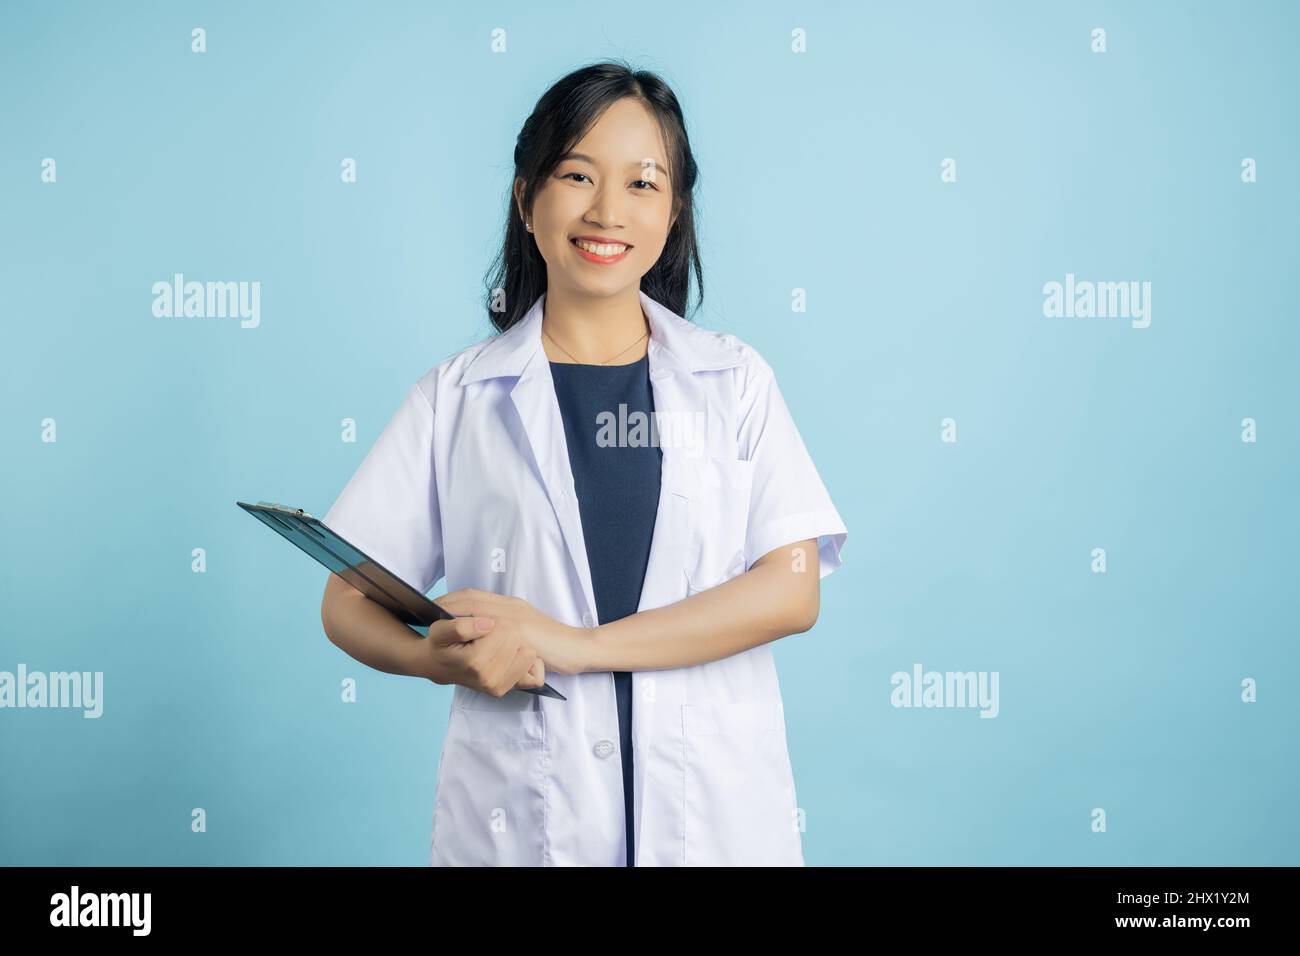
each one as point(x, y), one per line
point(613, 186)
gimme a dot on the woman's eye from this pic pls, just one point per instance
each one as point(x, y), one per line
point(584, 176)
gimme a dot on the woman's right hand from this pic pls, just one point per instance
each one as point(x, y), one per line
point(465, 651)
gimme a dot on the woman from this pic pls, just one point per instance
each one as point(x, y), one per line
point(622, 508)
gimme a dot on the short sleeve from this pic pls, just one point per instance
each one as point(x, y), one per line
point(788, 502)
point(389, 507)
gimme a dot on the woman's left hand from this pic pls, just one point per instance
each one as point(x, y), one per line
point(563, 649)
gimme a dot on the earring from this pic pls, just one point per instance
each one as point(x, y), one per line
point(528, 226)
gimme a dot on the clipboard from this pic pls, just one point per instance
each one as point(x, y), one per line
point(360, 570)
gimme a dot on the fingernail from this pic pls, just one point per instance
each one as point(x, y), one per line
point(483, 623)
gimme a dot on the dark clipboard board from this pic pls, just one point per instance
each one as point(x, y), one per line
point(360, 570)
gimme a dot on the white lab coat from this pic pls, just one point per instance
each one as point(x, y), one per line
point(471, 479)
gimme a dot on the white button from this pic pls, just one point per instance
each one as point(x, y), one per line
point(604, 748)
point(587, 619)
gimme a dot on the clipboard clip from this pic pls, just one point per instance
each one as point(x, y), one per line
point(276, 506)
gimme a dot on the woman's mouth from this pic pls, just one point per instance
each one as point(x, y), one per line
point(600, 252)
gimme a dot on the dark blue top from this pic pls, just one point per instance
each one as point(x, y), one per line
point(616, 478)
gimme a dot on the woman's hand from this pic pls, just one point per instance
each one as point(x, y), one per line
point(468, 651)
point(563, 649)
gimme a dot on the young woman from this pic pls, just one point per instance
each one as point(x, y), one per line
point(622, 508)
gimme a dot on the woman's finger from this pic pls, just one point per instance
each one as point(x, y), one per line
point(536, 675)
point(460, 630)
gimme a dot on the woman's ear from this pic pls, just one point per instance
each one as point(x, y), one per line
point(519, 199)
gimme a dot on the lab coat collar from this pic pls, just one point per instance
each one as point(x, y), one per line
point(674, 343)
point(677, 348)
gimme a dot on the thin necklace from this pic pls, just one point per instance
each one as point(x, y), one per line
point(606, 362)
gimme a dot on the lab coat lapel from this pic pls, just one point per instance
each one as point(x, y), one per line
point(539, 410)
point(678, 398)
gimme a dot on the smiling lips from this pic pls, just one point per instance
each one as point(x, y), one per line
point(603, 253)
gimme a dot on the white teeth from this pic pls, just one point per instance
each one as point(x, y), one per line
point(612, 249)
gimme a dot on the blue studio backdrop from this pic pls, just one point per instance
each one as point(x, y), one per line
point(1023, 271)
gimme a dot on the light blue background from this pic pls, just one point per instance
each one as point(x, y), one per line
point(819, 171)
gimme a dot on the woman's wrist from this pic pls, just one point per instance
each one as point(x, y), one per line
point(416, 659)
point(592, 641)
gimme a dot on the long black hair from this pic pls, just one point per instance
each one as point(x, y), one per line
point(562, 117)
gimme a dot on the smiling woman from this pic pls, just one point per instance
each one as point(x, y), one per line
point(622, 572)
point(601, 204)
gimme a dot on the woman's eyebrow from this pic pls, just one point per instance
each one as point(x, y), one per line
point(638, 163)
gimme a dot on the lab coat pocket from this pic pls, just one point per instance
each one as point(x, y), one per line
point(739, 793)
point(717, 490)
point(699, 579)
point(491, 792)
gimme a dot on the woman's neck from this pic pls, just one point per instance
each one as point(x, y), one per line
point(593, 331)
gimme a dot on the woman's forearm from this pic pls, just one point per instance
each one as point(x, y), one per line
point(779, 595)
point(369, 633)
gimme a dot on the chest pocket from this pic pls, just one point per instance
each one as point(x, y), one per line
point(710, 511)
